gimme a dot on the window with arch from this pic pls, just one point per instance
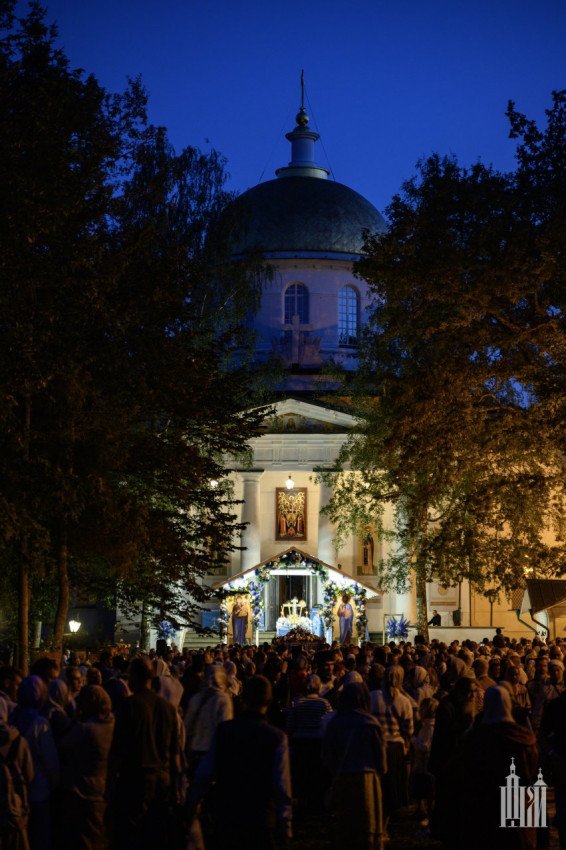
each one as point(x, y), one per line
point(297, 303)
point(348, 316)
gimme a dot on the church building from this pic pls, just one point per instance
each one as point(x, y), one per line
point(311, 231)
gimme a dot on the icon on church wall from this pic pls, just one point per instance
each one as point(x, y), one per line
point(291, 513)
point(368, 567)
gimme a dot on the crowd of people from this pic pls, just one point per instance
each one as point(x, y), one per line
point(227, 746)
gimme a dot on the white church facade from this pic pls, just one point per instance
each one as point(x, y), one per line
point(310, 230)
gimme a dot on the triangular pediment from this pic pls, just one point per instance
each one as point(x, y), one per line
point(295, 416)
point(290, 561)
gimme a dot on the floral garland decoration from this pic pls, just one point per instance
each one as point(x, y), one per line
point(166, 630)
point(255, 589)
point(397, 628)
point(224, 618)
point(360, 597)
point(331, 592)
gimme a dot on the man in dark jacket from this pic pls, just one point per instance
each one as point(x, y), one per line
point(248, 760)
point(144, 762)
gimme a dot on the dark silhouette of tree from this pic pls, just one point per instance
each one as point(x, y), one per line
point(120, 322)
point(461, 389)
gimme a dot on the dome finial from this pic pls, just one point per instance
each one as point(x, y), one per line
point(302, 118)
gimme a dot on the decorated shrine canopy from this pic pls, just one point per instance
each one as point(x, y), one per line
point(293, 562)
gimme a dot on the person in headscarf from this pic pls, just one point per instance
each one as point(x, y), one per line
point(422, 689)
point(205, 712)
point(74, 680)
point(421, 780)
point(118, 691)
point(486, 759)
point(14, 748)
point(353, 749)
point(234, 684)
point(167, 685)
point(84, 755)
point(454, 717)
point(55, 708)
point(455, 669)
point(28, 720)
point(395, 712)
point(519, 695)
point(304, 729)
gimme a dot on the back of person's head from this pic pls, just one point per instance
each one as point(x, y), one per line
point(257, 693)
point(375, 677)
point(395, 676)
point(93, 676)
point(94, 703)
point(354, 697)
point(58, 692)
point(140, 672)
point(216, 678)
point(272, 667)
point(230, 668)
point(197, 664)
point(45, 667)
point(481, 665)
point(313, 684)
point(32, 692)
point(8, 675)
point(352, 676)
point(497, 705)
point(118, 691)
point(464, 690)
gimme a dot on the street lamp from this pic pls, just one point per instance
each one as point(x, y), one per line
point(460, 579)
point(491, 596)
point(74, 626)
point(457, 617)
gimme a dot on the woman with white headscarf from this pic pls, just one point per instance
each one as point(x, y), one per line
point(206, 710)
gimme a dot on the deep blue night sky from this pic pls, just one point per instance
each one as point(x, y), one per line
point(387, 82)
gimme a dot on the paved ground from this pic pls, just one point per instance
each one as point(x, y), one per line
point(312, 833)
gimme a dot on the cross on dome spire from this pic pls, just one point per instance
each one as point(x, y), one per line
point(302, 140)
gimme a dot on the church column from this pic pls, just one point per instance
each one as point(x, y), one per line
point(326, 551)
point(251, 535)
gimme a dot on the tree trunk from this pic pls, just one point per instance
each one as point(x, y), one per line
point(144, 627)
point(36, 635)
point(63, 601)
point(22, 645)
point(420, 580)
point(422, 613)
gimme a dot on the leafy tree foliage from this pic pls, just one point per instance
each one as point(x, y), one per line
point(461, 391)
point(119, 317)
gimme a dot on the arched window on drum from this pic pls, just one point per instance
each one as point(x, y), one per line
point(296, 304)
point(348, 316)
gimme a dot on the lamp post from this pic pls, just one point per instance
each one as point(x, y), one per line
point(491, 595)
point(458, 617)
